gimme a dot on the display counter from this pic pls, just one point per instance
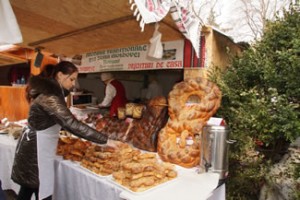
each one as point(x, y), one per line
point(13, 104)
point(77, 183)
point(7, 153)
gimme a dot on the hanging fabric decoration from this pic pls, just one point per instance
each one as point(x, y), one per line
point(9, 28)
point(150, 11)
point(156, 47)
point(187, 23)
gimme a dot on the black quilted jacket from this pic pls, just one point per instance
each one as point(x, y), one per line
point(47, 108)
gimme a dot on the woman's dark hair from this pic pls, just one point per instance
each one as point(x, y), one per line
point(47, 71)
point(65, 67)
point(50, 71)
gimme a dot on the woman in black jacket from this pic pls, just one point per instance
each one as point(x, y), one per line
point(33, 166)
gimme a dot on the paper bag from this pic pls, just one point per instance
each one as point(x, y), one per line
point(156, 47)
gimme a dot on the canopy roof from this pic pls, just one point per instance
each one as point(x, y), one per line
point(70, 27)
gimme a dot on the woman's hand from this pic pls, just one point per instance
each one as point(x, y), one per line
point(114, 143)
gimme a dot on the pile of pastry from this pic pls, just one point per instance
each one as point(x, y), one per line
point(129, 166)
point(131, 110)
point(104, 160)
point(71, 148)
point(144, 172)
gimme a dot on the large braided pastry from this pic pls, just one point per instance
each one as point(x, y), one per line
point(191, 103)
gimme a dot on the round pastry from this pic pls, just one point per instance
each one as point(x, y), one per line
point(194, 99)
point(191, 103)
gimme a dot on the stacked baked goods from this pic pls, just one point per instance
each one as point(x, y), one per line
point(129, 109)
point(130, 167)
point(92, 118)
point(121, 113)
point(114, 128)
point(101, 123)
point(72, 148)
point(101, 160)
point(144, 131)
point(191, 103)
point(144, 172)
point(104, 160)
point(134, 110)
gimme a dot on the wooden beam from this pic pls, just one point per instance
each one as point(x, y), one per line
point(9, 59)
point(171, 26)
point(82, 30)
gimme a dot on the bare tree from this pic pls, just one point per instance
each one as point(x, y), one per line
point(257, 12)
point(200, 9)
point(244, 20)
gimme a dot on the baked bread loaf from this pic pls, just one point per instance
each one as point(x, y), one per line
point(129, 108)
point(144, 131)
point(72, 148)
point(114, 128)
point(144, 172)
point(121, 113)
point(137, 111)
point(191, 103)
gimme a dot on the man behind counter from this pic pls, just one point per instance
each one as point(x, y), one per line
point(115, 94)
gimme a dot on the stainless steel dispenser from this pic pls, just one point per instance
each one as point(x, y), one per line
point(214, 150)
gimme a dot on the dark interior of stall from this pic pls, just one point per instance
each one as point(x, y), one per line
point(14, 74)
point(133, 81)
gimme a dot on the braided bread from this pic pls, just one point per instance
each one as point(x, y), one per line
point(191, 103)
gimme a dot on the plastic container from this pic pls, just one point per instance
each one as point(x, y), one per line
point(22, 81)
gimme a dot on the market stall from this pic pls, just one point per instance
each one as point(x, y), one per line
point(170, 128)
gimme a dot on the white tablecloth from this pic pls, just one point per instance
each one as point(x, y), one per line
point(7, 154)
point(76, 183)
point(188, 185)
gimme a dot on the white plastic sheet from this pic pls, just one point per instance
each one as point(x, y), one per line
point(9, 28)
point(156, 47)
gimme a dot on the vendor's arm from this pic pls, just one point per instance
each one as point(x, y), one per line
point(110, 93)
point(56, 108)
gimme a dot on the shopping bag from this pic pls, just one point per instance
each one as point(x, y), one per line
point(156, 47)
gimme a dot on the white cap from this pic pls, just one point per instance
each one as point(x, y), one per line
point(105, 76)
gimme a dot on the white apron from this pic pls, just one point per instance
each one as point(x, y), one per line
point(46, 149)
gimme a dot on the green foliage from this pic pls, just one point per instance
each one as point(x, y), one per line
point(261, 97)
point(296, 177)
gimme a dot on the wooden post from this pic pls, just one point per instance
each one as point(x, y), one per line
point(47, 59)
point(194, 73)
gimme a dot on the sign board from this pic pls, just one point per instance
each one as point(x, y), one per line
point(133, 58)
